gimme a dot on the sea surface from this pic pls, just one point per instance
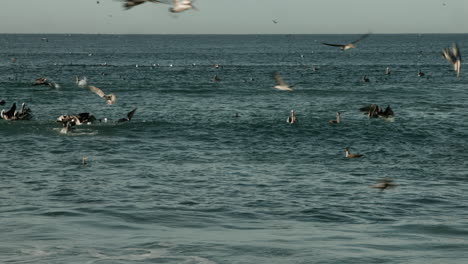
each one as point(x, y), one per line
point(210, 172)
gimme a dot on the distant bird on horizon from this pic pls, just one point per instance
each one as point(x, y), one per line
point(453, 56)
point(110, 98)
point(275, 21)
point(350, 45)
point(281, 85)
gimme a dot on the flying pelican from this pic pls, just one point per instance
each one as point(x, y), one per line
point(281, 85)
point(453, 57)
point(131, 3)
point(110, 98)
point(349, 45)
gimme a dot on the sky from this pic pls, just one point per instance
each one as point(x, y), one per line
point(236, 17)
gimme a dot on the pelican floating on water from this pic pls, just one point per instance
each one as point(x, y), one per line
point(81, 82)
point(351, 156)
point(8, 115)
point(337, 120)
point(384, 184)
point(292, 118)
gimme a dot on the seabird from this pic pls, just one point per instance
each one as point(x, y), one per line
point(81, 82)
point(24, 114)
point(45, 81)
point(67, 128)
point(181, 5)
point(365, 78)
point(131, 3)
point(337, 120)
point(388, 71)
point(349, 45)
point(281, 85)
point(216, 78)
point(110, 98)
point(2, 102)
point(384, 184)
point(453, 57)
point(275, 21)
point(8, 115)
point(129, 116)
point(420, 73)
point(350, 156)
point(374, 111)
point(292, 118)
point(76, 120)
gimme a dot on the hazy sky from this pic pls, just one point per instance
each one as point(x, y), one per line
point(236, 17)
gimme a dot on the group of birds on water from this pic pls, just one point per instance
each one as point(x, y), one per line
point(452, 55)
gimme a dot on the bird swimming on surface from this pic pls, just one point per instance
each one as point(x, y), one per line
point(67, 128)
point(131, 3)
point(420, 73)
point(453, 56)
point(8, 115)
point(76, 120)
point(2, 102)
point(350, 45)
point(388, 71)
point(365, 78)
point(337, 120)
point(129, 116)
point(384, 184)
point(24, 114)
point(281, 85)
point(292, 118)
point(216, 78)
point(81, 82)
point(110, 98)
point(374, 111)
point(350, 156)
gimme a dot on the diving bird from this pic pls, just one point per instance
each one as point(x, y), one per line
point(384, 184)
point(281, 85)
point(453, 56)
point(8, 115)
point(351, 156)
point(128, 118)
point(110, 98)
point(350, 45)
point(131, 3)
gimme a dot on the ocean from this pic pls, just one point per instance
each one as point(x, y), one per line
point(210, 172)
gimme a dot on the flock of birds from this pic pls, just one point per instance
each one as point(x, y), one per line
point(452, 55)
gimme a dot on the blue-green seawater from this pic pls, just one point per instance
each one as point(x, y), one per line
point(186, 182)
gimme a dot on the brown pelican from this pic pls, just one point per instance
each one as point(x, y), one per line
point(110, 98)
point(374, 111)
point(338, 119)
point(24, 114)
point(384, 184)
point(131, 3)
point(45, 81)
point(8, 115)
point(453, 57)
point(76, 120)
point(349, 45)
point(129, 116)
point(350, 156)
point(281, 85)
point(292, 118)
point(82, 82)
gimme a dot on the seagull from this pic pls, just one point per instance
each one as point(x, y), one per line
point(81, 82)
point(350, 156)
point(292, 118)
point(8, 115)
point(384, 184)
point(281, 84)
point(128, 118)
point(338, 119)
point(131, 3)
point(181, 5)
point(110, 98)
point(349, 45)
point(453, 57)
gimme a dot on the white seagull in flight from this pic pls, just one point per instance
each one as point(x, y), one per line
point(281, 84)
